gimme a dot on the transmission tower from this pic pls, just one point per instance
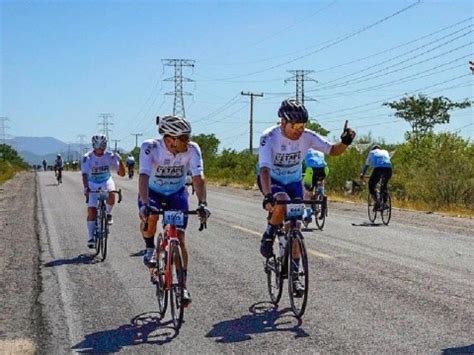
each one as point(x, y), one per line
point(3, 128)
point(178, 64)
point(300, 77)
point(105, 123)
point(81, 137)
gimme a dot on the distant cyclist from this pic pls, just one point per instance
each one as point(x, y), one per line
point(58, 165)
point(316, 170)
point(130, 165)
point(95, 168)
point(379, 160)
point(280, 155)
point(164, 163)
point(45, 164)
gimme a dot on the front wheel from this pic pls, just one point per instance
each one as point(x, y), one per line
point(386, 211)
point(320, 217)
point(177, 285)
point(298, 273)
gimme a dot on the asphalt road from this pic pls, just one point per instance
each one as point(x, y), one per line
point(408, 287)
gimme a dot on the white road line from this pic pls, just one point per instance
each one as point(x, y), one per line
point(310, 251)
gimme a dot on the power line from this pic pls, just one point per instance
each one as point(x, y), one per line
point(329, 45)
point(136, 138)
point(252, 95)
point(299, 76)
point(105, 123)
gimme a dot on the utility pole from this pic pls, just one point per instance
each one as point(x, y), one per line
point(105, 123)
point(252, 95)
point(3, 128)
point(116, 140)
point(178, 64)
point(299, 77)
point(136, 138)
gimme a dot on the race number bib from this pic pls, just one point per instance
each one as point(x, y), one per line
point(294, 210)
point(174, 217)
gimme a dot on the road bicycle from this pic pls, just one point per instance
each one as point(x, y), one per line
point(282, 265)
point(167, 274)
point(130, 171)
point(101, 230)
point(319, 207)
point(382, 204)
point(59, 175)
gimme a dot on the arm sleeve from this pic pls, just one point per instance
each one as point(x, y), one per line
point(319, 143)
point(85, 167)
point(196, 162)
point(265, 152)
point(146, 159)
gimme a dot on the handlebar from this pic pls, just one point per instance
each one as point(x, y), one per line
point(118, 192)
point(156, 211)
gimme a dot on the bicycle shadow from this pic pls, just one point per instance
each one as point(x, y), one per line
point(146, 328)
point(138, 253)
point(80, 259)
point(49, 185)
point(468, 349)
point(367, 224)
point(265, 317)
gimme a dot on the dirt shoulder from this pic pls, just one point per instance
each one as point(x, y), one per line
point(19, 265)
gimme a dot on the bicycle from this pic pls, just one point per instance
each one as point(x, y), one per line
point(101, 230)
point(59, 175)
point(281, 265)
point(382, 204)
point(167, 275)
point(130, 171)
point(320, 209)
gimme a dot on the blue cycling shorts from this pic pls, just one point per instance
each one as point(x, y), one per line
point(294, 189)
point(177, 201)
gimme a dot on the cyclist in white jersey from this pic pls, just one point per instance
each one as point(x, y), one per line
point(96, 173)
point(164, 164)
point(282, 149)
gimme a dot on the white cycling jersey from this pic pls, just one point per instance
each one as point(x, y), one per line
point(378, 158)
point(98, 168)
point(168, 171)
point(284, 156)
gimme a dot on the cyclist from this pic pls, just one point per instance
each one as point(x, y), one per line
point(45, 164)
point(164, 164)
point(280, 169)
point(58, 165)
point(379, 160)
point(316, 170)
point(130, 165)
point(95, 169)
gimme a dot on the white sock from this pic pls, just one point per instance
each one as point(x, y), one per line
point(108, 208)
point(90, 229)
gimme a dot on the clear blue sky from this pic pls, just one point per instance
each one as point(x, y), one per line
point(65, 62)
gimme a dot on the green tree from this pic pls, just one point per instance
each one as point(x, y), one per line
point(316, 127)
point(209, 145)
point(423, 113)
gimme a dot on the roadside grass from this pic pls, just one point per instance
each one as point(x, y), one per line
point(361, 198)
point(8, 171)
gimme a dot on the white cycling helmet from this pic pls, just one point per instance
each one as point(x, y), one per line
point(173, 126)
point(99, 141)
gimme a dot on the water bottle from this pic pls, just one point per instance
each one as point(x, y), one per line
point(282, 243)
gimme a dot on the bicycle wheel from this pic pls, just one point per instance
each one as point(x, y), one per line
point(177, 285)
point(387, 210)
point(97, 236)
point(105, 234)
point(273, 269)
point(371, 209)
point(298, 271)
point(320, 218)
point(159, 277)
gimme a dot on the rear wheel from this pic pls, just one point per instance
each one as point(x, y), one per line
point(104, 235)
point(273, 269)
point(159, 276)
point(371, 208)
point(177, 285)
point(98, 235)
point(298, 271)
point(320, 217)
point(387, 210)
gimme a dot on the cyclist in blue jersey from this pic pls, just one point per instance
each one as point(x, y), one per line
point(316, 170)
point(379, 160)
point(280, 155)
